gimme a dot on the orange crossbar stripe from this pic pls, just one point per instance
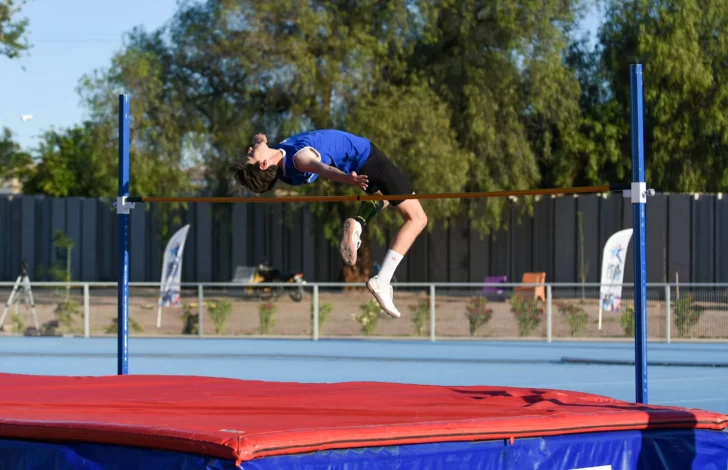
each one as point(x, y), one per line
point(379, 197)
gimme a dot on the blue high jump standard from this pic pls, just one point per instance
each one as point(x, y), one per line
point(186, 422)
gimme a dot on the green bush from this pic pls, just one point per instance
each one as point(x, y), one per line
point(266, 315)
point(421, 315)
point(133, 324)
point(219, 313)
point(575, 316)
point(478, 313)
point(369, 316)
point(18, 323)
point(528, 314)
point(687, 314)
point(190, 320)
point(66, 311)
point(323, 315)
point(627, 321)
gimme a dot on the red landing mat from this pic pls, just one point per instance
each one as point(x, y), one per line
point(241, 420)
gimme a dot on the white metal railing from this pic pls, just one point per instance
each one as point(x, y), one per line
point(697, 311)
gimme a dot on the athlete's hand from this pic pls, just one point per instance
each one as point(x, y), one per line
point(259, 139)
point(359, 180)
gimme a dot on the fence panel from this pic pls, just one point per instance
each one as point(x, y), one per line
point(699, 312)
point(463, 311)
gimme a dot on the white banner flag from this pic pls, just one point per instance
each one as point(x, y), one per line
point(615, 252)
point(170, 285)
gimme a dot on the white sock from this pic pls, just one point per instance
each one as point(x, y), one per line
point(391, 261)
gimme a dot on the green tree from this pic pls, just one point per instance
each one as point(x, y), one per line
point(463, 96)
point(159, 150)
point(275, 67)
point(596, 156)
point(163, 144)
point(231, 69)
point(12, 29)
point(396, 119)
point(514, 102)
point(681, 46)
point(73, 162)
point(14, 162)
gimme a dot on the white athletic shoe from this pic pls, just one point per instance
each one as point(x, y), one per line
point(350, 241)
point(384, 295)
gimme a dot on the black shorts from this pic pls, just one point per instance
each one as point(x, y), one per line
point(384, 176)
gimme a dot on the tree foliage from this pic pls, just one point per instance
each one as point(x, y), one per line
point(683, 47)
point(12, 29)
point(396, 121)
point(514, 103)
point(74, 162)
point(463, 95)
point(14, 162)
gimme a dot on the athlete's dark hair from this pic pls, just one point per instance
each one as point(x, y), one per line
point(252, 177)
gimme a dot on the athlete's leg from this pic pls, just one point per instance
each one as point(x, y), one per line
point(388, 179)
point(414, 223)
point(351, 239)
point(368, 209)
point(353, 226)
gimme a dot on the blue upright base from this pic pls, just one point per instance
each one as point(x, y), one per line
point(627, 450)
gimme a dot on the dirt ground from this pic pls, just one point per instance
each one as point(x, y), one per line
point(294, 318)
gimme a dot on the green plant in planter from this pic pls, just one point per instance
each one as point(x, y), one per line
point(626, 321)
point(421, 315)
point(219, 311)
point(369, 316)
point(528, 314)
point(478, 313)
point(190, 320)
point(323, 315)
point(114, 326)
point(575, 316)
point(687, 314)
point(266, 314)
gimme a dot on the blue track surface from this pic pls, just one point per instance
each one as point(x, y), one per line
point(518, 364)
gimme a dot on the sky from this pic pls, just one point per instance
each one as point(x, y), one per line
point(72, 38)
point(69, 38)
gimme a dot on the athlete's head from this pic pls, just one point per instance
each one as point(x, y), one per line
point(260, 171)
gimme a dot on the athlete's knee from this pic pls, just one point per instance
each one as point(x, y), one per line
point(420, 219)
point(416, 214)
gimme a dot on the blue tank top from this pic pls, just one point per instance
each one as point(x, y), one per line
point(342, 150)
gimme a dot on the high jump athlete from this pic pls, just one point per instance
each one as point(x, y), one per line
point(344, 158)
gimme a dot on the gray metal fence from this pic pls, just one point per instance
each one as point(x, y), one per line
point(430, 311)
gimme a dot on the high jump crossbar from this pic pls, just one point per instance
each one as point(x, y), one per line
point(379, 197)
point(637, 190)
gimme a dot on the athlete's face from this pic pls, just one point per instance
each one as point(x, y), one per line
point(259, 153)
point(256, 154)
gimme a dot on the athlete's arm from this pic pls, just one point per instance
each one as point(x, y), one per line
point(307, 160)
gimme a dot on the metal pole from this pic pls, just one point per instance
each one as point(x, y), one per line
point(667, 312)
point(200, 309)
point(86, 313)
point(639, 200)
point(549, 319)
point(315, 312)
point(122, 210)
point(432, 312)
